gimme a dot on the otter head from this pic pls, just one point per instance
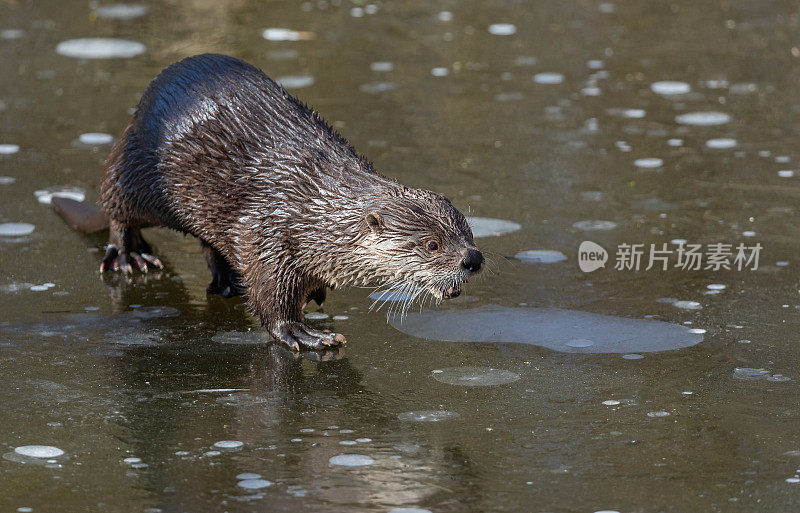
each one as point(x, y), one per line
point(417, 241)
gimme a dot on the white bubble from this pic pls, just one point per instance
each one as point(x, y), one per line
point(248, 475)
point(363, 440)
point(377, 87)
point(548, 77)
point(39, 451)
point(634, 113)
point(351, 460)
point(228, 444)
point(786, 173)
point(697, 331)
point(8, 149)
point(793, 480)
point(591, 91)
point(347, 442)
point(121, 11)
point(675, 143)
point(657, 414)
point(100, 48)
point(295, 81)
point(428, 416)
point(12, 34)
point(748, 233)
point(703, 118)
point(595, 64)
point(668, 87)
point(594, 225)
point(15, 229)
point(611, 402)
point(783, 159)
point(648, 163)
point(340, 317)
point(46, 196)
point(502, 29)
point(486, 226)
point(254, 484)
point(475, 376)
point(132, 460)
point(722, 143)
point(282, 34)
point(541, 256)
point(7, 180)
point(688, 305)
point(440, 72)
point(357, 12)
point(445, 16)
point(716, 286)
point(381, 66)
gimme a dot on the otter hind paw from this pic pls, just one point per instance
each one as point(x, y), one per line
point(126, 261)
point(297, 335)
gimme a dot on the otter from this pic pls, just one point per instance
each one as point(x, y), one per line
point(283, 206)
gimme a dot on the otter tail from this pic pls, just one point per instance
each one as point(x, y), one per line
point(81, 216)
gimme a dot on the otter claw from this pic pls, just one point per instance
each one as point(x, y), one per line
point(296, 335)
point(115, 260)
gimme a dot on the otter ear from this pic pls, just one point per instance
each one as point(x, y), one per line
point(374, 222)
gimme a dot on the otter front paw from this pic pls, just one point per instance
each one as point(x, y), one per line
point(126, 261)
point(297, 335)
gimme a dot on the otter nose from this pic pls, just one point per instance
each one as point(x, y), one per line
point(473, 260)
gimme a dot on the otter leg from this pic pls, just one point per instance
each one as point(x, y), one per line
point(127, 249)
point(317, 295)
point(224, 280)
point(278, 302)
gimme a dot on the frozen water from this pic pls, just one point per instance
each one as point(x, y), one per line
point(440, 72)
point(748, 233)
point(648, 163)
point(15, 229)
point(445, 16)
point(786, 173)
point(363, 440)
point(716, 286)
point(502, 29)
point(7, 180)
point(295, 81)
point(121, 11)
point(594, 225)
point(548, 77)
point(541, 256)
point(46, 195)
point(357, 12)
point(611, 402)
point(486, 226)
point(100, 48)
point(747, 373)
point(579, 343)
point(703, 118)
point(39, 451)
point(8, 149)
point(595, 64)
point(475, 376)
point(255, 484)
point(428, 416)
point(723, 143)
point(351, 460)
point(228, 444)
point(241, 337)
point(12, 34)
point(675, 143)
point(657, 414)
point(632, 356)
point(340, 317)
point(697, 331)
point(132, 460)
point(668, 87)
point(549, 328)
point(248, 475)
point(347, 442)
point(381, 66)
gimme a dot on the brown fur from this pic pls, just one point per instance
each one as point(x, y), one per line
point(283, 205)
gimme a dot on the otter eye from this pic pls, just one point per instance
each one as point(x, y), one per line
point(432, 246)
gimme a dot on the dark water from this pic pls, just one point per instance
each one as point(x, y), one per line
point(458, 110)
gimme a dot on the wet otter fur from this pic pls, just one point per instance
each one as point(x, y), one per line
point(283, 206)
